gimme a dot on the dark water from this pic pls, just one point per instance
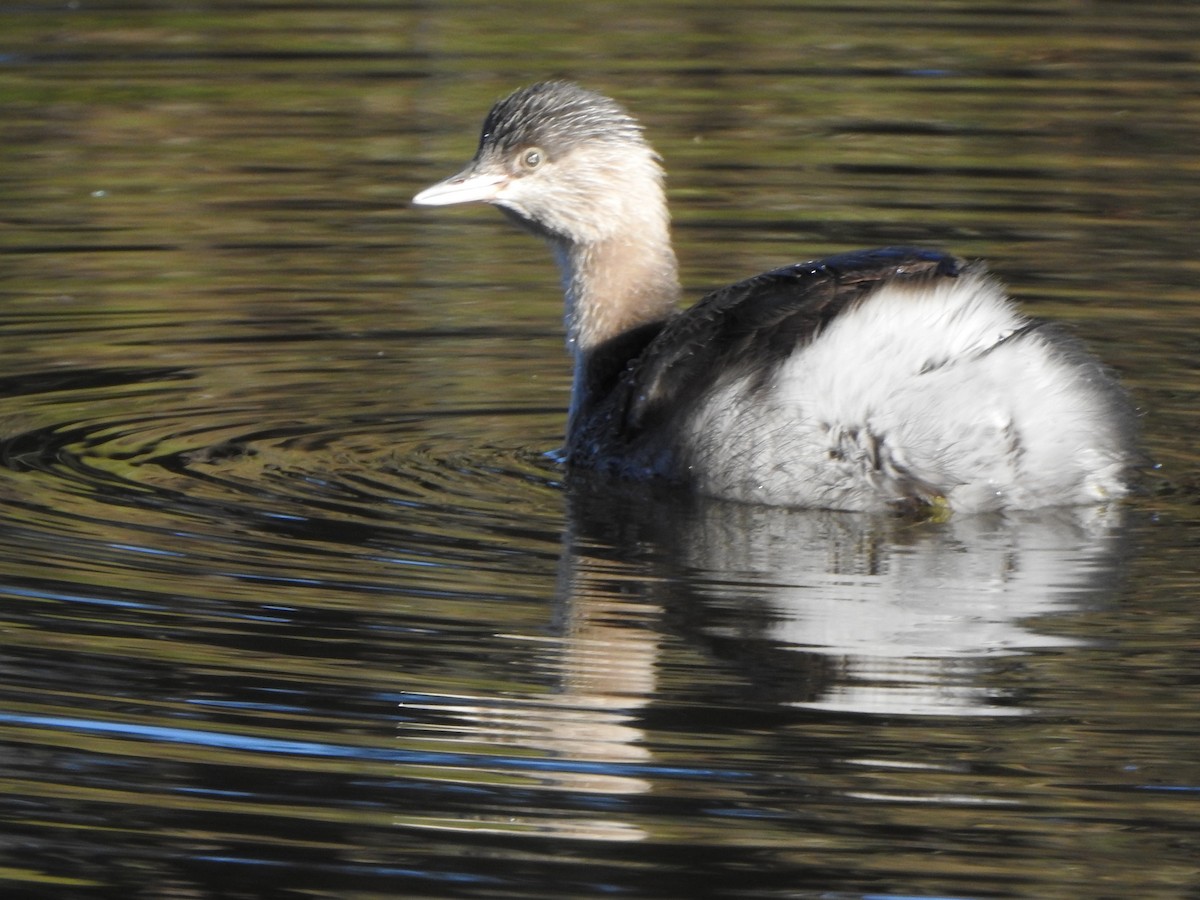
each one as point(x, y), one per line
point(292, 603)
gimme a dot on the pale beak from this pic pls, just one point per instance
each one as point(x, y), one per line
point(467, 186)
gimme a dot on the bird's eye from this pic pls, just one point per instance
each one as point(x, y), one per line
point(531, 158)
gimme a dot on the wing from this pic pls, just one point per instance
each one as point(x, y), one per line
point(754, 325)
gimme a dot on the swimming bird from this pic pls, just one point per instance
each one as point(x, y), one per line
point(878, 379)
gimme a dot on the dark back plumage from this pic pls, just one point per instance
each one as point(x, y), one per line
point(755, 325)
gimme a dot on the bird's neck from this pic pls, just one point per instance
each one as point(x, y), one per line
point(621, 285)
point(614, 285)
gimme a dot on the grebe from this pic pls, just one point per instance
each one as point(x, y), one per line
point(885, 378)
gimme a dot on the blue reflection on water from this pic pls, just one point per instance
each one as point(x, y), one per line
point(313, 748)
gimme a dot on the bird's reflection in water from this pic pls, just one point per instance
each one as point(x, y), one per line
point(765, 609)
point(860, 613)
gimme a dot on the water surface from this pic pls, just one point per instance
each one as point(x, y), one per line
point(294, 603)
